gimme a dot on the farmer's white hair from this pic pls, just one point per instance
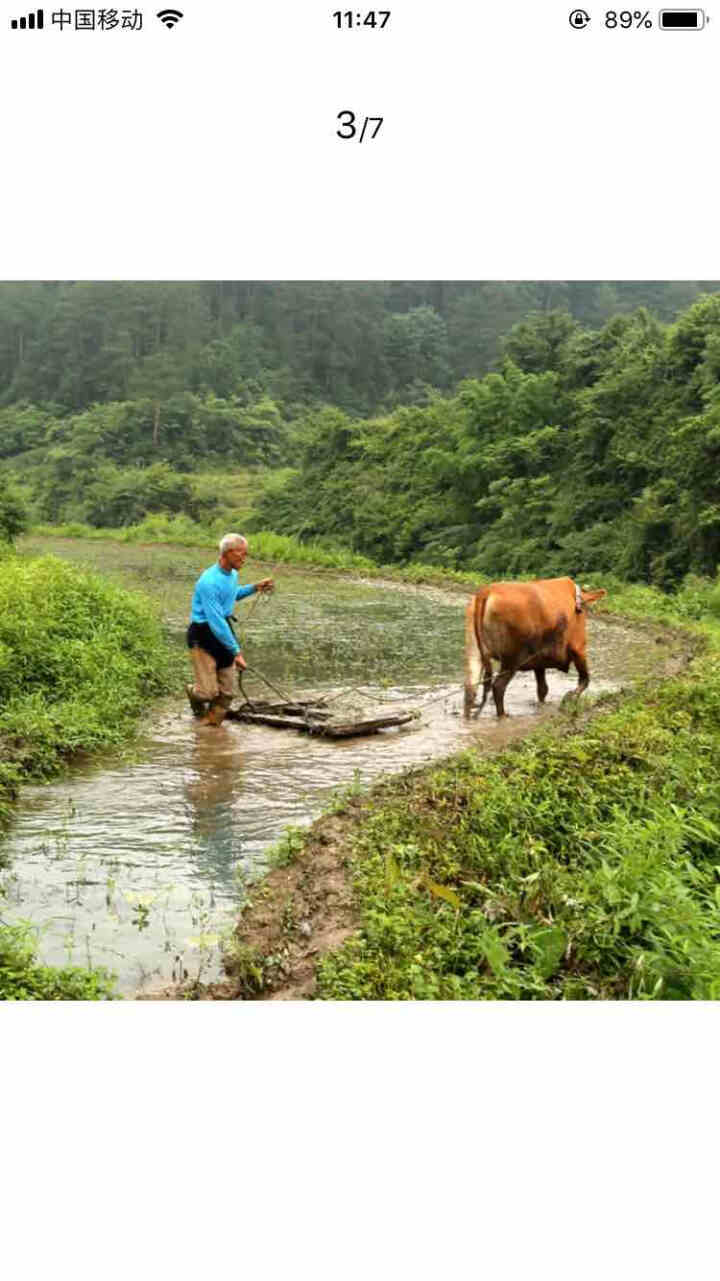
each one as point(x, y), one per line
point(231, 540)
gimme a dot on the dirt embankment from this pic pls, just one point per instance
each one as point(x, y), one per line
point(296, 914)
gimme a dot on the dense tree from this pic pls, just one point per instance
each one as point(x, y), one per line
point(416, 349)
point(13, 514)
point(538, 343)
point(67, 345)
point(589, 452)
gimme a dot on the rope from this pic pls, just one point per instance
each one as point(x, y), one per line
point(249, 614)
point(272, 573)
point(353, 689)
point(357, 689)
point(285, 697)
point(242, 691)
point(438, 698)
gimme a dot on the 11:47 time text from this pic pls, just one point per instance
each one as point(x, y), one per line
point(348, 18)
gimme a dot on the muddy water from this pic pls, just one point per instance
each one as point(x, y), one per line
point(140, 866)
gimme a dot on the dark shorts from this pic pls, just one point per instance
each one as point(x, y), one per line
point(202, 634)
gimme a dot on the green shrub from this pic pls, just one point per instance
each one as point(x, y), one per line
point(79, 659)
point(13, 514)
point(22, 979)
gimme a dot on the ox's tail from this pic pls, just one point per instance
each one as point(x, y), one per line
point(477, 656)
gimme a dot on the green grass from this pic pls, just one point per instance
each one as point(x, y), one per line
point(183, 532)
point(229, 496)
point(581, 864)
point(80, 658)
point(265, 545)
point(23, 979)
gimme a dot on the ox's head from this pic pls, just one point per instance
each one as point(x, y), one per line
point(589, 598)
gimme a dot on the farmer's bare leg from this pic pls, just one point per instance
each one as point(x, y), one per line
point(227, 690)
point(227, 682)
point(205, 686)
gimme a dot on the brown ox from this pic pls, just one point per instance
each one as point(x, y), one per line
point(527, 627)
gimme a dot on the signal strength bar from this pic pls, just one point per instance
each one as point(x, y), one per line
point(33, 22)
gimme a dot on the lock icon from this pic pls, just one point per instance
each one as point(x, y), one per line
point(579, 19)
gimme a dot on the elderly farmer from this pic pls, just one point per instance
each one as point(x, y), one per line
point(213, 648)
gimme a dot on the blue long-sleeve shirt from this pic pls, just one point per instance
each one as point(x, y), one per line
point(216, 591)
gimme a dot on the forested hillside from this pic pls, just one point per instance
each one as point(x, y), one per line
point(587, 452)
point(66, 346)
point(503, 428)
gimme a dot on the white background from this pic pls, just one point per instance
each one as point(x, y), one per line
point(513, 146)
point(186, 1141)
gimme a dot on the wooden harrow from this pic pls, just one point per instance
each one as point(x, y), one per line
point(313, 718)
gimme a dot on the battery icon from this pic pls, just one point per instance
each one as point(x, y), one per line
point(682, 19)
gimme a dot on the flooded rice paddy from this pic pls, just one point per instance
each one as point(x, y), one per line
point(140, 863)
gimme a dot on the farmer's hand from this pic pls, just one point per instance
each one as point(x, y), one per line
point(265, 585)
point(240, 661)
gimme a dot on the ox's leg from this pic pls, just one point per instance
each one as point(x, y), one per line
point(582, 671)
point(500, 684)
point(542, 685)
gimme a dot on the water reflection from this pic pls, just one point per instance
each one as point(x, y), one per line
point(213, 788)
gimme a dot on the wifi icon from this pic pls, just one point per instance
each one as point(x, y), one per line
point(169, 17)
